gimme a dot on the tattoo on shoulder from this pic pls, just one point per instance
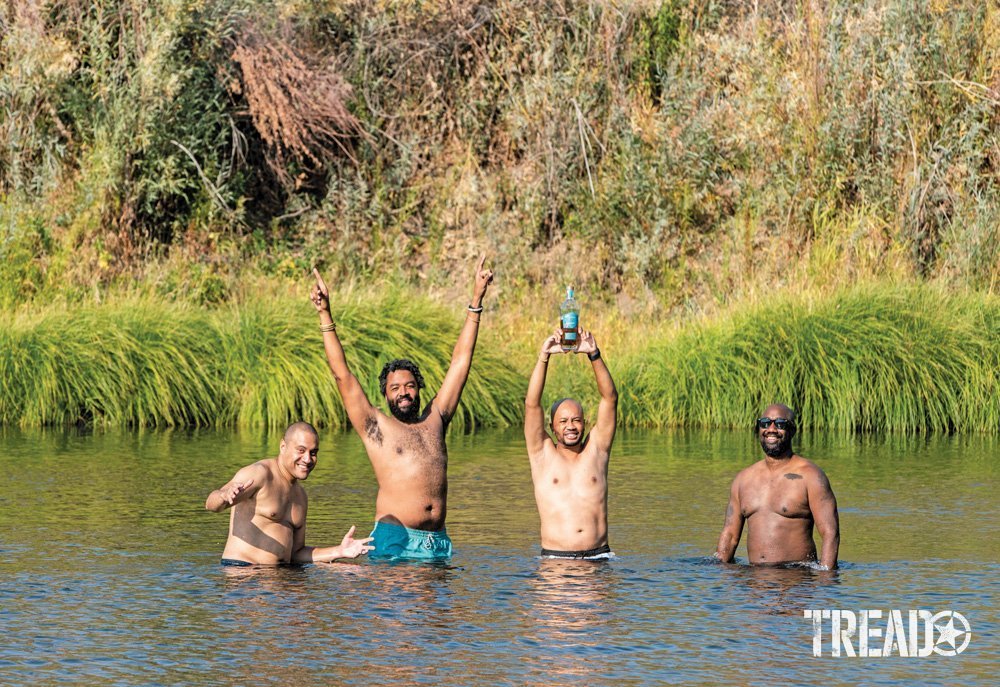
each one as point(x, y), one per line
point(372, 429)
point(792, 475)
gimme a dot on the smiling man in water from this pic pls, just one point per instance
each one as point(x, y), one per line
point(406, 447)
point(570, 473)
point(267, 525)
point(780, 498)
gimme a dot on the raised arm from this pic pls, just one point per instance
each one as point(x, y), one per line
point(349, 548)
point(357, 405)
point(823, 505)
point(607, 411)
point(243, 486)
point(732, 530)
point(534, 417)
point(448, 396)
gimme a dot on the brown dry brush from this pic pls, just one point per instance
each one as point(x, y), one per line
point(297, 103)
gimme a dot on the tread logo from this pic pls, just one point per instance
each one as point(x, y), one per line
point(869, 633)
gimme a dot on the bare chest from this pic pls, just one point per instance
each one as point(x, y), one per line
point(781, 495)
point(411, 449)
point(284, 506)
point(585, 476)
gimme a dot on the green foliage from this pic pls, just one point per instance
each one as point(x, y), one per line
point(868, 359)
point(141, 363)
point(682, 153)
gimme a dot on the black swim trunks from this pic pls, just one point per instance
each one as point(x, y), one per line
point(601, 552)
point(232, 562)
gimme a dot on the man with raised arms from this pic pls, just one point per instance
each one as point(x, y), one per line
point(267, 524)
point(406, 447)
point(780, 498)
point(570, 472)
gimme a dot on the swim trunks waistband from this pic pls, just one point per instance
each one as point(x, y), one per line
point(599, 552)
point(396, 542)
point(234, 563)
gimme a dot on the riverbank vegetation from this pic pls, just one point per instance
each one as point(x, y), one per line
point(866, 359)
point(171, 170)
point(667, 155)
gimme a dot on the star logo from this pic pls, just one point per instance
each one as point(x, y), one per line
point(948, 632)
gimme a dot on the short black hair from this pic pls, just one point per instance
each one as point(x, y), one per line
point(399, 364)
point(296, 427)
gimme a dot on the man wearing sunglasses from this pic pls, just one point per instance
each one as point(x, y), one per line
point(780, 498)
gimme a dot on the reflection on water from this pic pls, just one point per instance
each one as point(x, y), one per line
point(568, 607)
point(109, 570)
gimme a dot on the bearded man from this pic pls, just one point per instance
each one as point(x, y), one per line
point(780, 498)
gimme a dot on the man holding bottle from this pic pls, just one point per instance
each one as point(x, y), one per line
point(570, 469)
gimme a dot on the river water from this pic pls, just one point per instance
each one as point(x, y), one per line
point(109, 569)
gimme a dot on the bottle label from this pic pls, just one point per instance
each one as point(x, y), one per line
point(569, 321)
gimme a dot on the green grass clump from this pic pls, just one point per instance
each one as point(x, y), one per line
point(868, 359)
point(146, 364)
point(873, 358)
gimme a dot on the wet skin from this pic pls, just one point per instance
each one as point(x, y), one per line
point(569, 470)
point(407, 450)
point(781, 498)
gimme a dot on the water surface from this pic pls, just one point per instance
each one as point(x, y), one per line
point(109, 571)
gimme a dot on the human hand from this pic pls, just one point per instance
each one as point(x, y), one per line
point(484, 278)
point(320, 294)
point(552, 344)
point(351, 547)
point(230, 493)
point(586, 343)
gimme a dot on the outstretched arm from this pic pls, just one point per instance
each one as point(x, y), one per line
point(732, 530)
point(534, 416)
point(448, 396)
point(349, 548)
point(607, 411)
point(357, 405)
point(244, 485)
point(823, 505)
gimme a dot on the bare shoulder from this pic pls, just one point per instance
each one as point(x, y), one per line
point(811, 471)
point(259, 471)
point(747, 474)
point(547, 452)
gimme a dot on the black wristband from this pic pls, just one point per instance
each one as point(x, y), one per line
point(596, 355)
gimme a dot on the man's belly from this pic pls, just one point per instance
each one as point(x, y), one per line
point(773, 539)
point(422, 508)
point(573, 527)
point(260, 541)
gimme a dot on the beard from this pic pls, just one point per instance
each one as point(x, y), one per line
point(410, 415)
point(570, 442)
point(779, 449)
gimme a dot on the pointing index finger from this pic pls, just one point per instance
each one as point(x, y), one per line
point(319, 281)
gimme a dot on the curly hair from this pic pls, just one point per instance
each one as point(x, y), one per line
point(399, 364)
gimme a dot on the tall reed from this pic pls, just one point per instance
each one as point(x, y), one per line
point(878, 358)
point(143, 363)
point(873, 358)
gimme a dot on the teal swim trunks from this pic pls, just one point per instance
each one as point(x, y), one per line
point(395, 542)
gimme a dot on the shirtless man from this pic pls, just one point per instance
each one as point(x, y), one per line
point(267, 524)
point(780, 498)
point(570, 474)
point(406, 447)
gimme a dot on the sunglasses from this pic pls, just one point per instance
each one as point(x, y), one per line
point(779, 423)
